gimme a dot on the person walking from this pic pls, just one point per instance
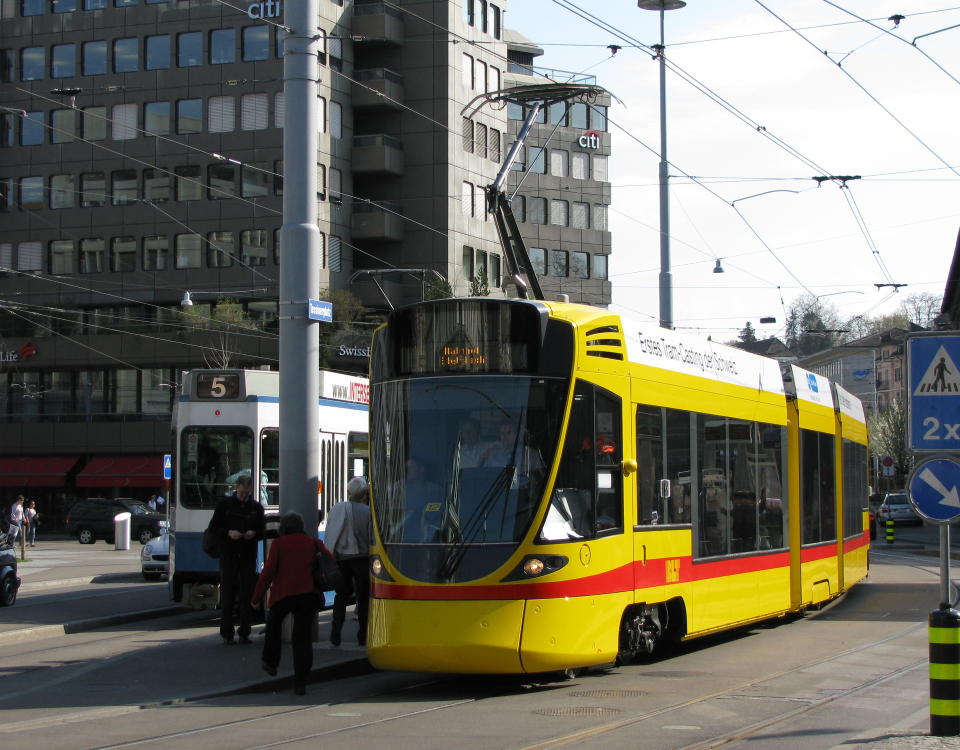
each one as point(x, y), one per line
point(16, 518)
point(348, 538)
point(287, 572)
point(238, 521)
point(31, 520)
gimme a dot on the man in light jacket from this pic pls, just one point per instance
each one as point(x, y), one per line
point(348, 538)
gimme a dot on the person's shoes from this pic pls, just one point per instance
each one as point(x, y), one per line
point(229, 641)
point(334, 639)
point(299, 689)
point(272, 671)
point(245, 640)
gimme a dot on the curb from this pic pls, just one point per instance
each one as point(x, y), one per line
point(93, 623)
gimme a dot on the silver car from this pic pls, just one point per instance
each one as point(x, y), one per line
point(896, 507)
point(155, 558)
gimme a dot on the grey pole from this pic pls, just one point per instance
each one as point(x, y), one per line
point(945, 566)
point(299, 267)
point(666, 278)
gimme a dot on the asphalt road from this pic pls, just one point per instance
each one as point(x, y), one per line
point(852, 674)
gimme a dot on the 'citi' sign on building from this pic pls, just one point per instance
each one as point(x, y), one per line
point(266, 9)
point(590, 139)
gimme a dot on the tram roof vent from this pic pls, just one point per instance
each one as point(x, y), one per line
point(605, 341)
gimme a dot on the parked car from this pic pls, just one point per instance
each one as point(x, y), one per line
point(155, 558)
point(896, 507)
point(9, 583)
point(92, 519)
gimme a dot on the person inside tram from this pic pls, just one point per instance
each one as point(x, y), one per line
point(509, 450)
point(470, 449)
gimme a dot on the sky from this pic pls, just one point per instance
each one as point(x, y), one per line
point(888, 113)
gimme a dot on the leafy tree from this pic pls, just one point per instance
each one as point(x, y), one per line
point(888, 437)
point(748, 334)
point(811, 326)
point(437, 288)
point(478, 285)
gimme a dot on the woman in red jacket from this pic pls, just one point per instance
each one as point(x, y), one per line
point(287, 572)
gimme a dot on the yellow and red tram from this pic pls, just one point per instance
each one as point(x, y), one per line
point(555, 486)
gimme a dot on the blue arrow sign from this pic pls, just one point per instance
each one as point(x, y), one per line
point(933, 396)
point(167, 466)
point(933, 489)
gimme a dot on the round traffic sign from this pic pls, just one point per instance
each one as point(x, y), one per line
point(887, 460)
point(934, 489)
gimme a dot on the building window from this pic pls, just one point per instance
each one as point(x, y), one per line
point(494, 278)
point(481, 139)
point(466, 134)
point(253, 247)
point(598, 118)
point(256, 43)
point(190, 116)
point(482, 15)
point(93, 189)
point(221, 181)
point(223, 46)
point(537, 210)
point(539, 163)
point(493, 79)
point(254, 111)
point(8, 130)
point(466, 71)
point(190, 49)
point(520, 162)
point(63, 125)
point(125, 55)
point(558, 263)
point(157, 52)
point(580, 265)
point(220, 249)
point(221, 114)
point(254, 181)
point(155, 249)
point(156, 185)
point(468, 12)
point(336, 120)
point(580, 216)
point(31, 192)
point(63, 60)
point(480, 76)
point(6, 193)
point(188, 250)
point(123, 254)
point(578, 115)
point(93, 123)
point(31, 63)
point(600, 168)
point(579, 165)
point(123, 187)
point(279, 109)
point(321, 115)
point(156, 118)
point(62, 256)
point(91, 255)
point(538, 260)
point(599, 266)
point(600, 217)
point(95, 58)
point(558, 213)
point(519, 207)
point(31, 129)
point(189, 183)
point(495, 21)
point(493, 145)
point(466, 198)
point(559, 163)
point(124, 122)
point(30, 256)
point(32, 7)
point(514, 111)
point(466, 266)
point(62, 191)
point(94, 4)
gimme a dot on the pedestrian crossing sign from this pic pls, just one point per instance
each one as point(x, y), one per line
point(933, 393)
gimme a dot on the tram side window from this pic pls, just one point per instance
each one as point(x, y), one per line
point(854, 487)
point(770, 489)
point(663, 439)
point(270, 467)
point(650, 463)
point(211, 459)
point(714, 496)
point(817, 495)
point(587, 500)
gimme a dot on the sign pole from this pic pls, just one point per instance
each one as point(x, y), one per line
point(944, 566)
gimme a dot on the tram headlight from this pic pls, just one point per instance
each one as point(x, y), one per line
point(533, 566)
point(378, 569)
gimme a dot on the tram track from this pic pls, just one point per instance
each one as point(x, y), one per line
point(579, 736)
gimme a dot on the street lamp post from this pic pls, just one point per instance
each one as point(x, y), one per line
point(666, 279)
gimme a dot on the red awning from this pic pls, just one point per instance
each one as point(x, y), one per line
point(35, 471)
point(122, 471)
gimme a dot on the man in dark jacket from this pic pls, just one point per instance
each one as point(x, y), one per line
point(238, 520)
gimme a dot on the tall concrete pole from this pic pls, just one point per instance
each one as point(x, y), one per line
point(299, 266)
point(666, 278)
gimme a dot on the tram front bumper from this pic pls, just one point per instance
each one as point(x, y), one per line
point(476, 637)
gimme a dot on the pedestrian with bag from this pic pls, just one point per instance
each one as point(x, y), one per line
point(31, 520)
point(348, 538)
point(16, 518)
point(238, 525)
point(288, 574)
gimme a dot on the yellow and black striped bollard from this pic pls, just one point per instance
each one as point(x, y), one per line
point(945, 672)
point(889, 532)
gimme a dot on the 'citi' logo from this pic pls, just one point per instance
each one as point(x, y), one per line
point(590, 139)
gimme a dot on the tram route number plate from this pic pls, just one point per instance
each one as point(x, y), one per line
point(222, 386)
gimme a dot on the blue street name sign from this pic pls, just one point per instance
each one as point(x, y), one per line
point(320, 310)
point(933, 399)
point(932, 488)
point(167, 466)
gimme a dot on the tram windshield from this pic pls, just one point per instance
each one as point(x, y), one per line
point(211, 459)
point(462, 461)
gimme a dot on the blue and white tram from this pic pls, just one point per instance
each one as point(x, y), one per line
point(226, 423)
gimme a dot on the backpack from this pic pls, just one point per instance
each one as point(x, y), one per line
point(211, 542)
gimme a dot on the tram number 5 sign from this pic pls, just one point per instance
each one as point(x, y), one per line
point(933, 398)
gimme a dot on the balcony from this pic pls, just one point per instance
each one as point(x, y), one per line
point(377, 23)
point(378, 88)
point(377, 222)
point(377, 154)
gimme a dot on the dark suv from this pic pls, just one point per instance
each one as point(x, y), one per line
point(9, 583)
point(92, 519)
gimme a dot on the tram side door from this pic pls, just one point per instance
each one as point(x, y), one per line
point(333, 470)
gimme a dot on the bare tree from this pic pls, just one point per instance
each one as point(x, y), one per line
point(226, 322)
point(921, 308)
point(888, 437)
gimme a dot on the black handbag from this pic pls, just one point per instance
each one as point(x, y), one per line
point(211, 542)
point(326, 573)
